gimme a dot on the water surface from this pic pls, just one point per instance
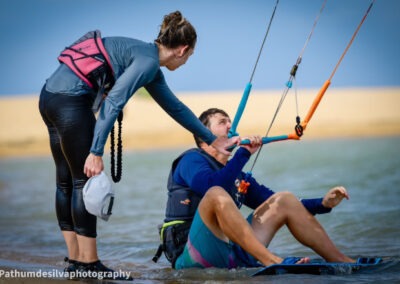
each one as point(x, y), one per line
point(366, 225)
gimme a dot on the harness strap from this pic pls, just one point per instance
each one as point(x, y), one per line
point(100, 95)
point(158, 253)
point(174, 242)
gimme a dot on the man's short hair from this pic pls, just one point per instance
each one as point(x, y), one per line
point(205, 119)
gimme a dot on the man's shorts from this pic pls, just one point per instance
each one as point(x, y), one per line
point(203, 249)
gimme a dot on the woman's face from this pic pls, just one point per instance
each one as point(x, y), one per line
point(181, 55)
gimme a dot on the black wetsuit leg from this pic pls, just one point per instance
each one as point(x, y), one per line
point(63, 182)
point(70, 122)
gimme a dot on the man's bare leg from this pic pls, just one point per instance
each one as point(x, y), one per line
point(284, 208)
point(220, 214)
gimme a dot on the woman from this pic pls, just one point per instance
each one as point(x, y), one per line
point(77, 139)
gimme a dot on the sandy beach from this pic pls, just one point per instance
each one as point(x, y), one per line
point(343, 112)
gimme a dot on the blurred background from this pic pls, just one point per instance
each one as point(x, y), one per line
point(230, 33)
point(366, 99)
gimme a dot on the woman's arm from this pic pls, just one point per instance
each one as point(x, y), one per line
point(162, 94)
point(140, 72)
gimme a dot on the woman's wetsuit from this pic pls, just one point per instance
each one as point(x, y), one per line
point(66, 107)
point(70, 122)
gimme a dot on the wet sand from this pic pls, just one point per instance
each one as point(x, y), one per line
point(350, 112)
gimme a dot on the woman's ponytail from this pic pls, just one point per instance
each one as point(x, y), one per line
point(175, 31)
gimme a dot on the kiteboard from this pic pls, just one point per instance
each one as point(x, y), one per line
point(319, 268)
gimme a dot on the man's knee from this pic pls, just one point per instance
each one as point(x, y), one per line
point(217, 197)
point(283, 199)
point(276, 208)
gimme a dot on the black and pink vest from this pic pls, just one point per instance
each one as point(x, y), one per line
point(89, 60)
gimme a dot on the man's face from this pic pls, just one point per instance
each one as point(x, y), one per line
point(220, 124)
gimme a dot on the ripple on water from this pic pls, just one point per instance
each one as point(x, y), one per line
point(366, 225)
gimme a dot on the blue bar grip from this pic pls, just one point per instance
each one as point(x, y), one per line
point(266, 140)
point(239, 112)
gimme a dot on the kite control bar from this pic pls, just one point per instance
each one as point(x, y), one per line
point(303, 124)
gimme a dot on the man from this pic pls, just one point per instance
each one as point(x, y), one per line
point(203, 195)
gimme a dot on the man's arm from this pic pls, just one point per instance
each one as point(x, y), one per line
point(325, 205)
point(193, 170)
point(258, 194)
point(315, 206)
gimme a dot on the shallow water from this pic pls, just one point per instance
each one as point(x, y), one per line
point(366, 225)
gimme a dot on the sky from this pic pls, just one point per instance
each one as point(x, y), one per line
point(230, 33)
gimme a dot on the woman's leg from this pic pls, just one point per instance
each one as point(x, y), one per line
point(63, 184)
point(76, 140)
point(64, 196)
point(74, 121)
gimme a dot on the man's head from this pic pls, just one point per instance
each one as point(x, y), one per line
point(217, 121)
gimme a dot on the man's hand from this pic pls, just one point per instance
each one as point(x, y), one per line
point(255, 143)
point(93, 165)
point(334, 196)
point(223, 142)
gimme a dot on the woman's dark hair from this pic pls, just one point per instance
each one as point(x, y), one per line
point(175, 31)
point(205, 119)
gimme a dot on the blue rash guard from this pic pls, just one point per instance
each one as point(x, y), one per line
point(194, 171)
point(136, 64)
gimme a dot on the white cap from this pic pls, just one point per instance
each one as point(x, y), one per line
point(98, 196)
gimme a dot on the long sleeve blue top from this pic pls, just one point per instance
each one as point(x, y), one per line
point(194, 171)
point(136, 64)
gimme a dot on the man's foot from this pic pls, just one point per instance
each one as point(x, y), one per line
point(304, 260)
point(296, 260)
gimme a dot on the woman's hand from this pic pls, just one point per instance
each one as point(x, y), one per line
point(93, 165)
point(334, 196)
point(255, 143)
point(223, 142)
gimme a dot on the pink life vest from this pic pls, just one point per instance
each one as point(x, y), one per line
point(89, 60)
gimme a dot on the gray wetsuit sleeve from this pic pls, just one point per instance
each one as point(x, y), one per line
point(139, 73)
point(161, 93)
